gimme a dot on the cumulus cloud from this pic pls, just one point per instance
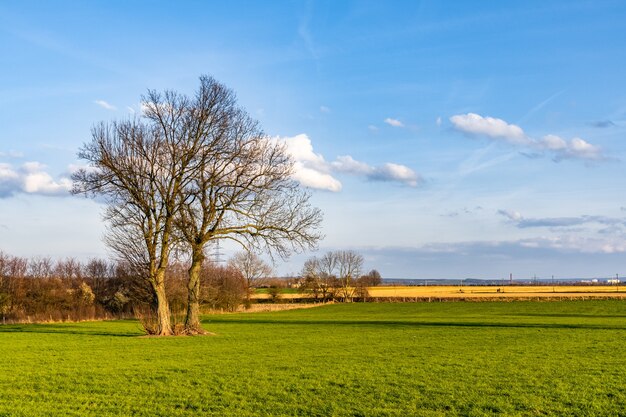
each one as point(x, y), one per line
point(394, 122)
point(498, 129)
point(31, 178)
point(489, 126)
point(575, 148)
point(105, 105)
point(312, 170)
point(385, 172)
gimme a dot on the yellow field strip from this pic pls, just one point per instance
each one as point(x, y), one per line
point(505, 291)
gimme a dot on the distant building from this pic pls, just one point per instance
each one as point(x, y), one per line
point(613, 281)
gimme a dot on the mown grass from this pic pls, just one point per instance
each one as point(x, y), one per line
point(425, 359)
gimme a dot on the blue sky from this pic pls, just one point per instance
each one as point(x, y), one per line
point(441, 140)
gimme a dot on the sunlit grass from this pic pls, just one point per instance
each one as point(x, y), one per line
point(521, 358)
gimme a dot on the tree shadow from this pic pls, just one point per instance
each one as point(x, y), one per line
point(61, 330)
point(424, 323)
point(569, 315)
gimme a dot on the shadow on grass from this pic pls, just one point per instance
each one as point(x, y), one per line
point(569, 315)
point(399, 323)
point(62, 330)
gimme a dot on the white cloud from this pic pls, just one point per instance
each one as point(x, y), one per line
point(514, 216)
point(312, 170)
point(394, 122)
point(372, 128)
point(324, 109)
point(31, 178)
point(348, 164)
point(498, 129)
point(488, 126)
point(312, 178)
point(576, 148)
point(386, 172)
point(579, 148)
point(105, 105)
point(130, 110)
point(438, 121)
point(396, 172)
point(301, 149)
point(553, 143)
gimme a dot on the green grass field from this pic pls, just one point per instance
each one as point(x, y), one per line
point(426, 359)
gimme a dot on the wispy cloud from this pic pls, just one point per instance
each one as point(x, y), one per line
point(557, 222)
point(500, 130)
point(31, 178)
point(540, 105)
point(394, 122)
point(105, 105)
point(602, 124)
point(312, 170)
point(324, 109)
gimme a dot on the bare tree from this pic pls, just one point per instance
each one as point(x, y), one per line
point(252, 267)
point(349, 266)
point(319, 278)
point(140, 168)
point(334, 274)
point(241, 189)
point(371, 279)
point(197, 169)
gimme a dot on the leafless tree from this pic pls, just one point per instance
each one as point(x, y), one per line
point(241, 189)
point(334, 273)
point(140, 168)
point(194, 170)
point(252, 267)
point(349, 266)
point(371, 279)
point(41, 267)
point(319, 278)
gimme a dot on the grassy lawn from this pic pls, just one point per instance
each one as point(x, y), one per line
point(426, 359)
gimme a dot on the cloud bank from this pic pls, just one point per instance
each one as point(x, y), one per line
point(500, 130)
point(312, 170)
point(31, 178)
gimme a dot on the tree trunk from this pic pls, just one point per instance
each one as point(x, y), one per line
point(192, 319)
point(164, 326)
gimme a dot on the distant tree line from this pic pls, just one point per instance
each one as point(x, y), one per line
point(43, 289)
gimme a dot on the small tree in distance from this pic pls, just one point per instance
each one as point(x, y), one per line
point(253, 269)
point(334, 275)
